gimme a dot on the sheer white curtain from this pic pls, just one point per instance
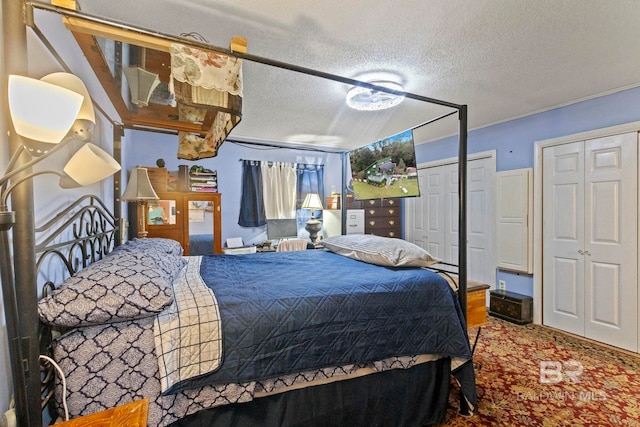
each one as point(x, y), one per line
point(279, 185)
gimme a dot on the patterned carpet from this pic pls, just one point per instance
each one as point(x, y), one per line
point(535, 376)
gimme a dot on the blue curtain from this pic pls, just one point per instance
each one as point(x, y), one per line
point(310, 180)
point(251, 204)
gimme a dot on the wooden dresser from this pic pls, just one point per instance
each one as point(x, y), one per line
point(382, 217)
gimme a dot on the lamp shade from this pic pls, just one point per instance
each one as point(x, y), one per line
point(72, 82)
point(141, 84)
point(90, 164)
point(312, 201)
point(139, 187)
point(42, 111)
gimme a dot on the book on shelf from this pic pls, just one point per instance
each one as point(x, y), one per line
point(205, 189)
point(203, 181)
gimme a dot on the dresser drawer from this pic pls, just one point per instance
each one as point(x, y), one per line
point(377, 203)
point(382, 212)
point(382, 222)
point(384, 232)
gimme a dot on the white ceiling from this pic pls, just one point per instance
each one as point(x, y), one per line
point(502, 58)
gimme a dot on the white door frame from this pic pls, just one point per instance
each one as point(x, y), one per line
point(490, 154)
point(537, 199)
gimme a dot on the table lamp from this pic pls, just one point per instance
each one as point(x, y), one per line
point(312, 202)
point(140, 190)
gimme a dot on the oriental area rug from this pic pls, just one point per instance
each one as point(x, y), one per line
point(532, 375)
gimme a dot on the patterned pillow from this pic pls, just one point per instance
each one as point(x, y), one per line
point(122, 286)
point(167, 246)
point(170, 264)
point(377, 250)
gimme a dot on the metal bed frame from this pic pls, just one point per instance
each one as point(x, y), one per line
point(81, 234)
point(17, 14)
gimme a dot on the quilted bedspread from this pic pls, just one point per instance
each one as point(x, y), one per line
point(288, 312)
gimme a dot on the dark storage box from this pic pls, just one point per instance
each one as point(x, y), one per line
point(516, 308)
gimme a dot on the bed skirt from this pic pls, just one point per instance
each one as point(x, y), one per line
point(417, 396)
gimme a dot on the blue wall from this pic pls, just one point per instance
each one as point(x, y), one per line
point(143, 148)
point(514, 142)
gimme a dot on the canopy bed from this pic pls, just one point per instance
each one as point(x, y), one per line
point(232, 383)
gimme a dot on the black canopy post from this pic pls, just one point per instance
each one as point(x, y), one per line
point(462, 204)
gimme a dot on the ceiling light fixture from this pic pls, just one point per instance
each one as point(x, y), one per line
point(366, 99)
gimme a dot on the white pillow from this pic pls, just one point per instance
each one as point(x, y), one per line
point(384, 251)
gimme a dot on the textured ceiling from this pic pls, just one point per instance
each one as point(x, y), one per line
point(503, 58)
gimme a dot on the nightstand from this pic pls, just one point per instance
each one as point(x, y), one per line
point(132, 414)
point(476, 304)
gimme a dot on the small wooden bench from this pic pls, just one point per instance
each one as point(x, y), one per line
point(476, 308)
point(476, 304)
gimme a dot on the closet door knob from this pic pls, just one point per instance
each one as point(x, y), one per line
point(588, 253)
point(581, 252)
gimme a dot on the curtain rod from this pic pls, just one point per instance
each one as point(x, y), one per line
point(246, 56)
point(270, 162)
point(284, 146)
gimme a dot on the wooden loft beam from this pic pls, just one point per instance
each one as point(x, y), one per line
point(78, 25)
point(67, 4)
point(86, 32)
point(83, 26)
point(92, 52)
point(156, 42)
point(153, 122)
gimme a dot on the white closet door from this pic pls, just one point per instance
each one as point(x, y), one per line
point(415, 216)
point(481, 221)
point(611, 237)
point(590, 238)
point(451, 217)
point(433, 206)
point(437, 231)
point(563, 237)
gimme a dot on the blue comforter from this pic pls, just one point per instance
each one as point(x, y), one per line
point(288, 312)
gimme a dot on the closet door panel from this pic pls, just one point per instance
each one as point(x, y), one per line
point(563, 235)
point(567, 274)
point(611, 237)
point(606, 311)
point(415, 216)
point(433, 206)
point(451, 215)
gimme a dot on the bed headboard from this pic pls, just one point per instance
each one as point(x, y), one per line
point(79, 235)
